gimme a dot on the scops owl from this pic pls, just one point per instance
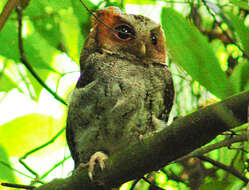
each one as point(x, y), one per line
point(125, 89)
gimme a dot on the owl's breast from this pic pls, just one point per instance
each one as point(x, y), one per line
point(148, 87)
point(115, 101)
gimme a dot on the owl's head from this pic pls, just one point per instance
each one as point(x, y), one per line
point(128, 35)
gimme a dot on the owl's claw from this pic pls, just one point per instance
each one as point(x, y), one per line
point(97, 156)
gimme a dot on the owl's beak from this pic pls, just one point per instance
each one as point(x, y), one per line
point(143, 49)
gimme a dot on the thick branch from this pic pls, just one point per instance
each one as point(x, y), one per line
point(180, 138)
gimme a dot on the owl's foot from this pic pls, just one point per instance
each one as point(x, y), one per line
point(97, 156)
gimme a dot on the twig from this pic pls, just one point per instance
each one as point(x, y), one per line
point(26, 63)
point(232, 163)
point(231, 170)
point(18, 186)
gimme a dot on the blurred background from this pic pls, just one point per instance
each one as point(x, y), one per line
point(208, 53)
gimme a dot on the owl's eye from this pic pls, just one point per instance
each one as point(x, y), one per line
point(125, 32)
point(153, 38)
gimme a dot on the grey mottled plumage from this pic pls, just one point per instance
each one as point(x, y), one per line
point(123, 89)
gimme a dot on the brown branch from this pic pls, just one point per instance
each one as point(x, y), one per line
point(26, 63)
point(229, 169)
point(7, 10)
point(180, 138)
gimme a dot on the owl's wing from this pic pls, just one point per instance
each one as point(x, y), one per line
point(85, 79)
point(71, 143)
point(169, 94)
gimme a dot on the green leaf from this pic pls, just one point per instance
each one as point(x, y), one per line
point(70, 30)
point(44, 16)
point(6, 174)
point(247, 85)
point(240, 76)
point(241, 30)
point(191, 50)
point(21, 134)
point(8, 35)
point(40, 55)
point(80, 11)
point(38, 52)
point(83, 19)
point(7, 83)
point(217, 185)
point(241, 4)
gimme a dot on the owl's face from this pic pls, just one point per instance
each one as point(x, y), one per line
point(129, 34)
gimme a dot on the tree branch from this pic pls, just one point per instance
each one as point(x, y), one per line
point(180, 138)
point(224, 167)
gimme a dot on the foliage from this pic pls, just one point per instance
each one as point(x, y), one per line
point(208, 50)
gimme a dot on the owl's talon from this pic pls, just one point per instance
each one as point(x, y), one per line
point(90, 174)
point(100, 157)
point(102, 165)
point(141, 138)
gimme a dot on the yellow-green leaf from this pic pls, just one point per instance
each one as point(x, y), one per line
point(6, 174)
point(28, 132)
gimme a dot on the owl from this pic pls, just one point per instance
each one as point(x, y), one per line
point(125, 90)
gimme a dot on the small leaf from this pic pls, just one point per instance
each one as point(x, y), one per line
point(70, 36)
point(241, 30)
point(191, 50)
point(7, 83)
